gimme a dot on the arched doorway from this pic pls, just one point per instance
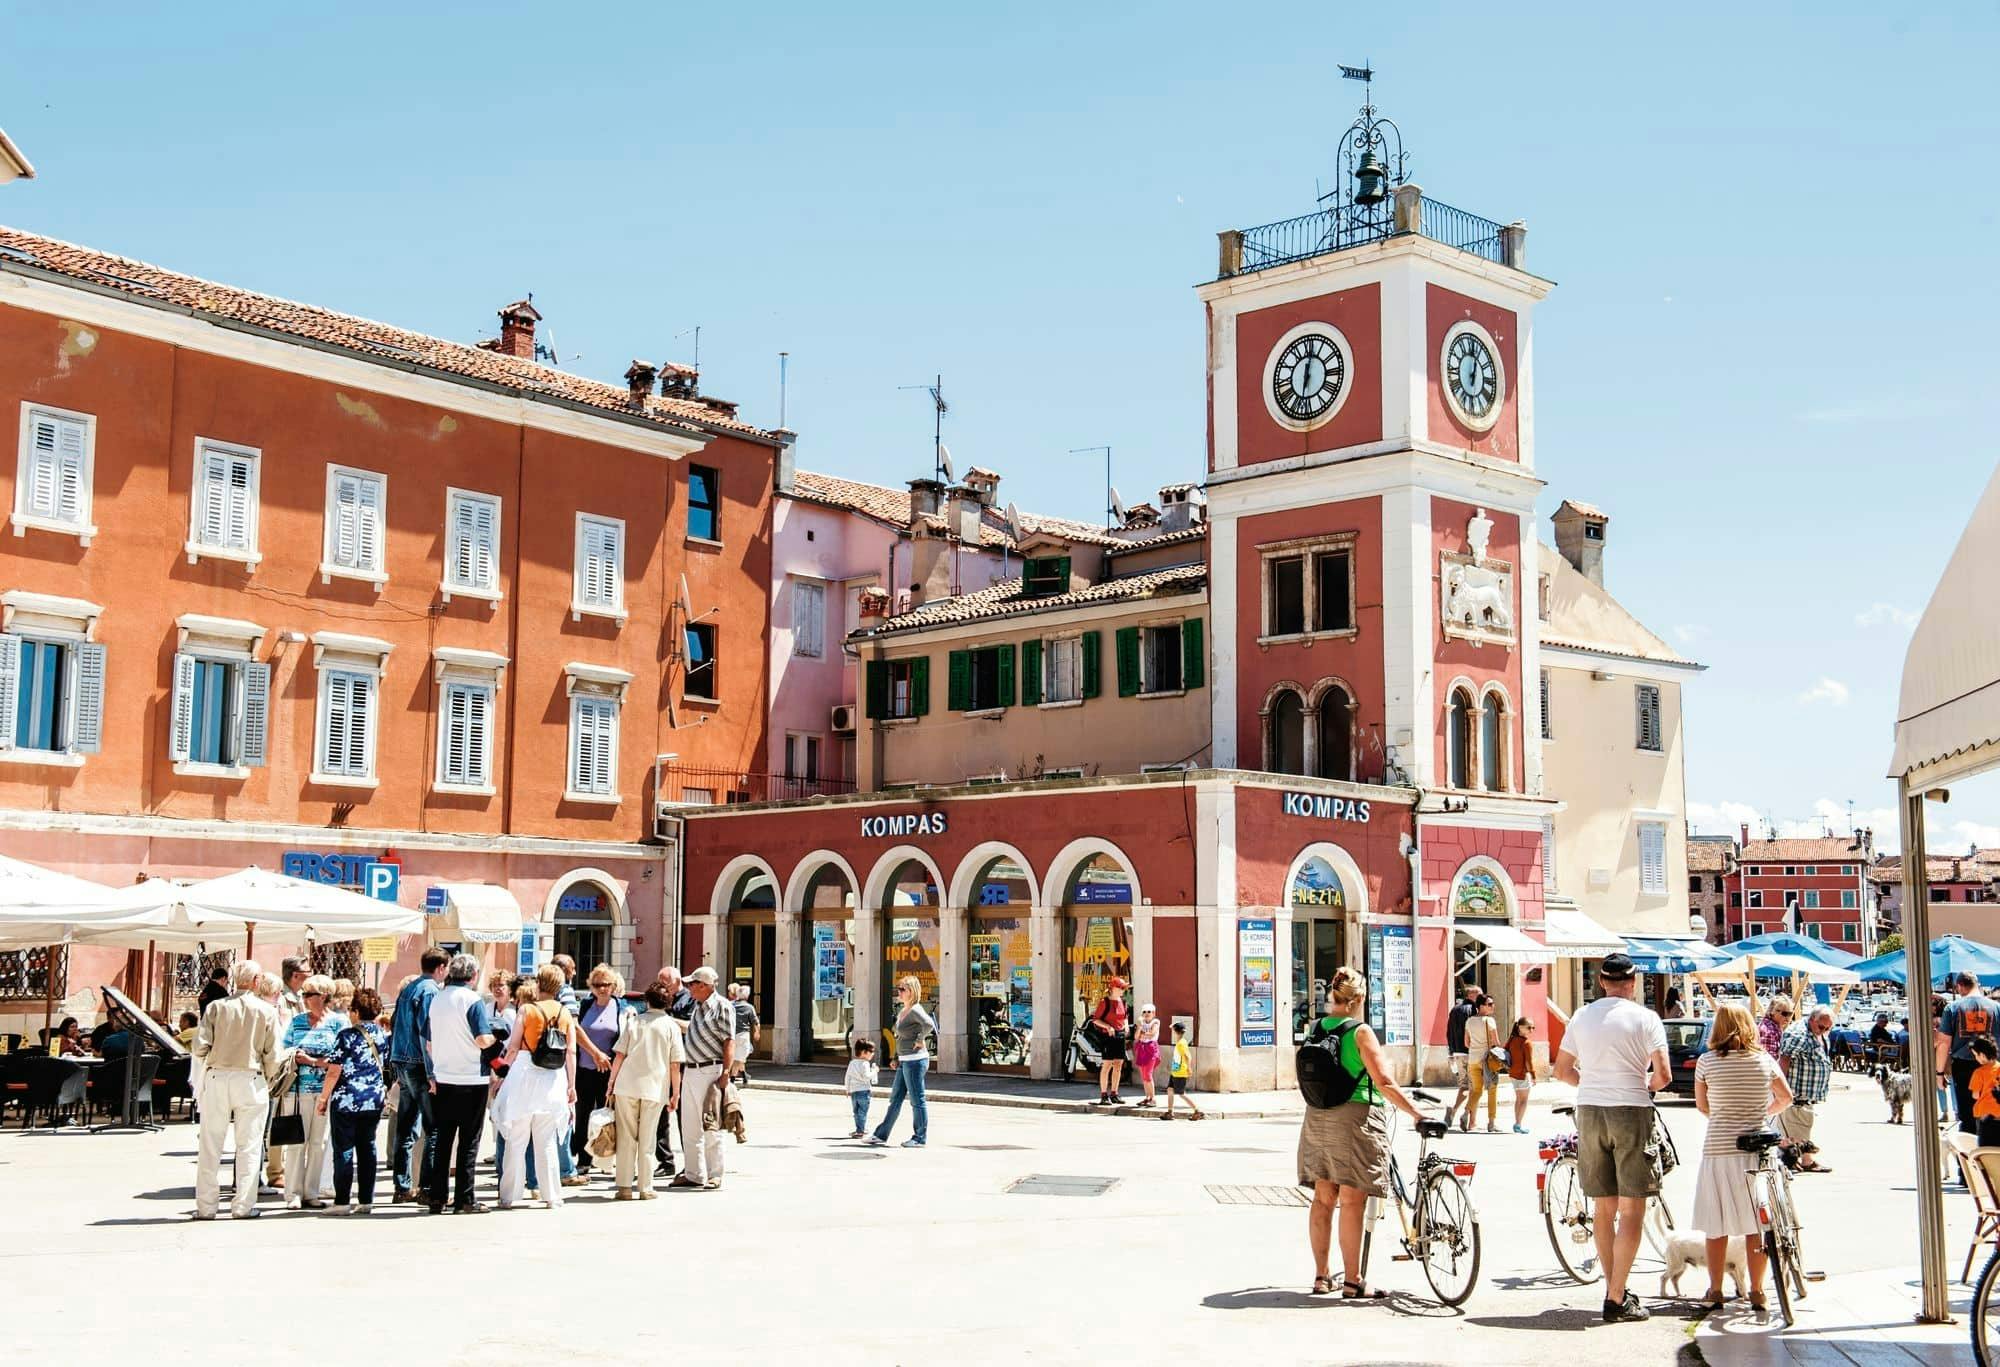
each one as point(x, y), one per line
point(584, 921)
point(1483, 895)
point(912, 939)
point(753, 947)
point(1000, 969)
point(1096, 936)
point(1318, 897)
point(826, 962)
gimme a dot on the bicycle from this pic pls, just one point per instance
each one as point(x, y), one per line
point(1986, 1314)
point(1440, 1227)
point(1567, 1212)
point(1771, 1192)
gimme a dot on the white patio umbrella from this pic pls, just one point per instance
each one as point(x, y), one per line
point(41, 907)
point(247, 908)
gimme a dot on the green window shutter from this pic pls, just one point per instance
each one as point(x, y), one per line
point(1092, 684)
point(920, 686)
point(1006, 673)
point(878, 690)
point(1194, 659)
point(1031, 672)
point(1128, 662)
point(958, 681)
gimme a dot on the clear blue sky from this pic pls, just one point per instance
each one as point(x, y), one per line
point(1767, 358)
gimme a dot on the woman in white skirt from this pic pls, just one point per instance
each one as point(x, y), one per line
point(1738, 1087)
point(534, 1102)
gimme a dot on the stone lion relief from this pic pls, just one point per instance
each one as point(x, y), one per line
point(1478, 591)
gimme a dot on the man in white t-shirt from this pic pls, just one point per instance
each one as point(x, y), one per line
point(458, 1033)
point(1615, 1054)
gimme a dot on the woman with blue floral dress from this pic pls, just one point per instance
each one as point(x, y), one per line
point(354, 1094)
point(310, 1036)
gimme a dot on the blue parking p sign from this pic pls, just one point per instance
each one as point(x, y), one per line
point(385, 881)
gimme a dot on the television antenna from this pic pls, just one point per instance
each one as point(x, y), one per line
point(940, 458)
point(1110, 495)
point(694, 331)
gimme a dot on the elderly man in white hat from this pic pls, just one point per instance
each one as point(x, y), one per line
point(710, 1040)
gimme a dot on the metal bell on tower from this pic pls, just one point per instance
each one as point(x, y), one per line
point(1371, 180)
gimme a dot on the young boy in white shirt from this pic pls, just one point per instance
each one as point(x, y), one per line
point(862, 1074)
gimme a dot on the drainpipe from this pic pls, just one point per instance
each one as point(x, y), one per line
point(1410, 853)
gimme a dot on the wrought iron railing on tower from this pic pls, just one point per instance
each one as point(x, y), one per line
point(1347, 225)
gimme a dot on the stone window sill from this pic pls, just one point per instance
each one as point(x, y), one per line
point(194, 769)
point(52, 759)
point(342, 781)
point(23, 521)
point(592, 799)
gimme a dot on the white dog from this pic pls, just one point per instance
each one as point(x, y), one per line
point(1689, 1248)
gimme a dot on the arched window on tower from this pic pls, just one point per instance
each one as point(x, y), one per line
point(1336, 734)
point(1285, 745)
point(1458, 739)
point(1492, 743)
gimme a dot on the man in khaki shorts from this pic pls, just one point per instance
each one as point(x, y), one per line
point(1615, 1055)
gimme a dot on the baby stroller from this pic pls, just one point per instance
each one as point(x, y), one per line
point(1084, 1053)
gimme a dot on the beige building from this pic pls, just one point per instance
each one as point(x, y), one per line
point(1093, 663)
point(1612, 751)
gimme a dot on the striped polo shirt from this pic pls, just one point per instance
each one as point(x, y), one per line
point(709, 1029)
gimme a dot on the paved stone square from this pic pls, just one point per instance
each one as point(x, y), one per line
point(820, 1249)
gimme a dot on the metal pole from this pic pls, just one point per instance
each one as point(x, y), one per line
point(1936, 1307)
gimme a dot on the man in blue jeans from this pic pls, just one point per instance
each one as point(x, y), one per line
point(406, 1057)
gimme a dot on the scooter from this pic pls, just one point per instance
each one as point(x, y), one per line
point(1082, 1053)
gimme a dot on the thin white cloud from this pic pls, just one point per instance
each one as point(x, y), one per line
point(1826, 816)
point(1687, 633)
point(1971, 835)
point(1723, 818)
point(1827, 691)
point(1885, 615)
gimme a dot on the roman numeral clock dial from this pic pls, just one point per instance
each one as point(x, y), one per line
point(1308, 376)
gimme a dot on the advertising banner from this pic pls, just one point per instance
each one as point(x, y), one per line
point(1257, 962)
point(1399, 1006)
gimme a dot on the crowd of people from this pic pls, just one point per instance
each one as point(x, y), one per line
point(305, 1062)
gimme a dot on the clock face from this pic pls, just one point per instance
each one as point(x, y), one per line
point(1308, 378)
point(1472, 376)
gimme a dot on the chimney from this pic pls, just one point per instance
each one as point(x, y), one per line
point(1178, 507)
point(517, 330)
point(1580, 538)
point(1745, 829)
point(786, 467)
point(926, 500)
point(639, 379)
point(985, 483)
point(874, 601)
point(966, 510)
point(679, 382)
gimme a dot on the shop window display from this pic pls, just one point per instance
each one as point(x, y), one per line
point(1097, 945)
point(826, 928)
point(911, 940)
point(1001, 969)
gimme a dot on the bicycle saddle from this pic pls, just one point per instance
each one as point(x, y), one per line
point(1433, 1129)
point(1760, 1142)
point(1562, 1110)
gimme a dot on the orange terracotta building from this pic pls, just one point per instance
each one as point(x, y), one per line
point(290, 588)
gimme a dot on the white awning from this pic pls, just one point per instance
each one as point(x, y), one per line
point(1572, 935)
point(1506, 945)
point(1948, 714)
point(478, 912)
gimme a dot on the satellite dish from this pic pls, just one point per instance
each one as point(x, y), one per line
point(686, 606)
point(1117, 505)
point(944, 461)
point(1013, 522)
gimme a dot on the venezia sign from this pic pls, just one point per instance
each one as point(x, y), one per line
point(1324, 807)
point(909, 823)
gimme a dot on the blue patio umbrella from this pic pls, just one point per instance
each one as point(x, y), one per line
point(1805, 946)
point(1950, 955)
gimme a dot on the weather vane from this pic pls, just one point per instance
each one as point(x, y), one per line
point(1371, 152)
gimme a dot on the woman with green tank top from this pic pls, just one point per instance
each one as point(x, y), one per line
point(1344, 1150)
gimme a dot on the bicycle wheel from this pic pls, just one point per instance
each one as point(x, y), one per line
point(1986, 1314)
point(1658, 1225)
point(1448, 1236)
point(1775, 1254)
point(1785, 1221)
point(1566, 1212)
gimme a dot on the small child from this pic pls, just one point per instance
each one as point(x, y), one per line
point(862, 1074)
point(190, 1026)
point(1177, 1075)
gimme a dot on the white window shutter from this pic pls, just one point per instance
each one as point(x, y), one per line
point(10, 688)
point(41, 476)
point(180, 739)
point(214, 495)
point(346, 514)
point(607, 740)
point(1548, 851)
point(361, 728)
point(253, 752)
point(486, 545)
point(369, 525)
point(478, 721)
point(238, 511)
point(87, 724)
point(333, 726)
point(579, 747)
point(70, 491)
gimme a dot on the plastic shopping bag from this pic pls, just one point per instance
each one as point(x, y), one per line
point(602, 1133)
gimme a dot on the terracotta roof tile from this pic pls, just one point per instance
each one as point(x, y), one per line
point(365, 338)
point(1174, 538)
point(1711, 854)
point(1956, 868)
point(1833, 849)
point(1006, 599)
point(892, 506)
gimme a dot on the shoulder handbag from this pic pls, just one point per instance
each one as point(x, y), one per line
point(286, 1129)
point(552, 1049)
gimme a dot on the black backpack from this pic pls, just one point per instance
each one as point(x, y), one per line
point(1323, 1079)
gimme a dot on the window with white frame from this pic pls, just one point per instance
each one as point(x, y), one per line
point(219, 715)
point(356, 525)
point(468, 689)
point(53, 479)
point(808, 618)
point(1062, 669)
point(600, 567)
point(1652, 856)
point(596, 700)
point(223, 519)
point(472, 544)
point(51, 679)
point(347, 722)
point(802, 753)
point(1812, 899)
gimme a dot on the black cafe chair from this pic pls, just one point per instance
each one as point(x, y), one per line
point(172, 1084)
point(56, 1088)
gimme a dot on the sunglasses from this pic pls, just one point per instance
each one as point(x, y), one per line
point(310, 995)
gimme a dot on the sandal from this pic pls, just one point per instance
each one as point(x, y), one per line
point(1322, 1286)
point(1361, 1291)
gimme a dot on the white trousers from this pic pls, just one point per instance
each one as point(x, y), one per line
point(238, 1097)
point(701, 1153)
point(306, 1166)
point(541, 1130)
